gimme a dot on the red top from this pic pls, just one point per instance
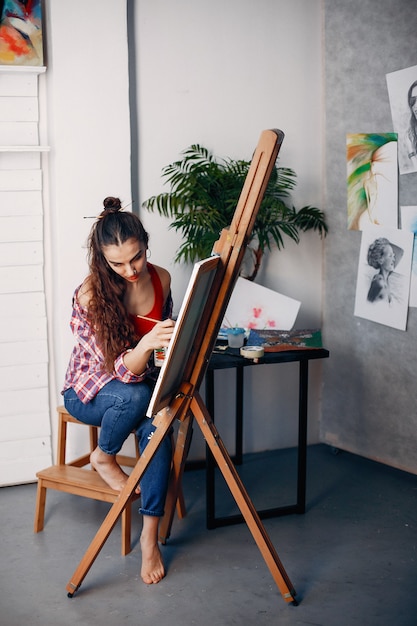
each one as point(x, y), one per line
point(144, 326)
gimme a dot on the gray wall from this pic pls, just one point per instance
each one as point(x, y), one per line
point(369, 392)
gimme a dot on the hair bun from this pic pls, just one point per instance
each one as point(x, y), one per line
point(111, 205)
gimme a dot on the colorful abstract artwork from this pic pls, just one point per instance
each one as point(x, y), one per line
point(402, 91)
point(283, 340)
point(372, 180)
point(21, 40)
point(383, 282)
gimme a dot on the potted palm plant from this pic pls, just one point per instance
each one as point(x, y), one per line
point(203, 195)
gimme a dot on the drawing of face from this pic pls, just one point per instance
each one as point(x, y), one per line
point(388, 259)
point(413, 101)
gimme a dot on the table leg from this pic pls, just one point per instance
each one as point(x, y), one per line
point(239, 417)
point(237, 458)
point(300, 506)
point(302, 437)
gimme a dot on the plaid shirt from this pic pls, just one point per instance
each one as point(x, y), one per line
point(86, 373)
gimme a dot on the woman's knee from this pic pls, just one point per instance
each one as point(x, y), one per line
point(140, 394)
point(127, 395)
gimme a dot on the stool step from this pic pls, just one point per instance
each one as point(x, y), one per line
point(77, 480)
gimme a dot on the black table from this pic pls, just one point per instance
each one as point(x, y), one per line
point(231, 359)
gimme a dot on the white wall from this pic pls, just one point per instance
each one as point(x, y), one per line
point(212, 72)
point(25, 429)
point(218, 73)
point(370, 393)
point(88, 127)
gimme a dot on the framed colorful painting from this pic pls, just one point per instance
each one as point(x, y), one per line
point(21, 36)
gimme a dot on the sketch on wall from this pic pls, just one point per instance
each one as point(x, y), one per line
point(383, 281)
point(372, 180)
point(21, 40)
point(409, 222)
point(402, 91)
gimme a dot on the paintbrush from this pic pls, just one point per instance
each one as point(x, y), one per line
point(148, 319)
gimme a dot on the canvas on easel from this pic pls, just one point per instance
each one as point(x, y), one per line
point(176, 395)
point(182, 344)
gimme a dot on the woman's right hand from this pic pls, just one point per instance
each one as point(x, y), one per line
point(159, 336)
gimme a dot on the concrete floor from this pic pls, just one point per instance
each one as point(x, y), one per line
point(352, 557)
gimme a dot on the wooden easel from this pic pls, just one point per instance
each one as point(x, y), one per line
point(185, 403)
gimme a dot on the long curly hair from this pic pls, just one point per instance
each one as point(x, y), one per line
point(106, 310)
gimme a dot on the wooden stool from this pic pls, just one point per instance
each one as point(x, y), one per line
point(73, 477)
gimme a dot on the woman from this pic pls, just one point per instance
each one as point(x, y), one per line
point(111, 371)
point(381, 256)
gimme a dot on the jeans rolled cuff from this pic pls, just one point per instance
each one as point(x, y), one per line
point(151, 513)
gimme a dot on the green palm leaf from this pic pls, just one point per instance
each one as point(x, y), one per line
point(203, 198)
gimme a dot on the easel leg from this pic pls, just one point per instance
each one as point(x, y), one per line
point(243, 501)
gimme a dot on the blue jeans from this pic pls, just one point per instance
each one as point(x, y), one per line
point(118, 409)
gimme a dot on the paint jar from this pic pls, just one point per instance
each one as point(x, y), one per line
point(235, 337)
point(159, 356)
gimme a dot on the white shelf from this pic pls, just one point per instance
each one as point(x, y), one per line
point(24, 148)
point(31, 69)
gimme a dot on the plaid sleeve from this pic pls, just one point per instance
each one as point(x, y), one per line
point(92, 357)
point(124, 374)
point(86, 372)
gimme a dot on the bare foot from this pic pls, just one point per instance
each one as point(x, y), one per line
point(108, 468)
point(110, 471)
point(153, 569)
